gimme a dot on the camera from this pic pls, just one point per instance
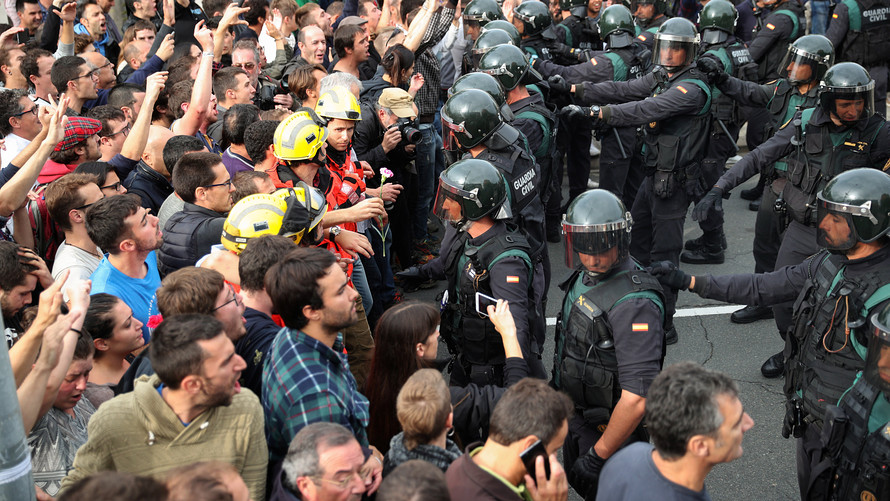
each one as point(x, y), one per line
point(406, 127)
point(265, 95)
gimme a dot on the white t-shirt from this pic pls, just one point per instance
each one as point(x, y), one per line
point(81, 263)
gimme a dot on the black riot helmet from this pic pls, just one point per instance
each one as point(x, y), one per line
point(470, 190)
point(595, 223)
point(502, 24)
point(508, 64)
point(488, 40)
point(487, 83)
point(807, 60)
point(616, 26)
point(534, 15)
point(482, 12)
point(853, 207)
point(469, 117)
point(845, 85)
point(716, 21)
point(877, 360)
point(677, 33)
point(660, 8)
point(575, 7)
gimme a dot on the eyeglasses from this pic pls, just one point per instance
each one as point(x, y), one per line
point(125, 131)
point(233, 300)
point(245, 66)
point(32, 110)
point(93, 74)
point(363, 475)
point(106, 65)
point(227, 183)
point(116, 186)
point(86, 206)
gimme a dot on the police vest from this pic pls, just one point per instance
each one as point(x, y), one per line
point(536, 47)
point(862, 466)
point(768, 68)
point(678, 144)
point(822, 361)
point(819, 156)
point(474, 336)
point(736, 61)
point(783, 105)
point(546, 153)
point(576, 32)
point(585, 364)
point(627, 63)
point(868, 33)
point(524, 180)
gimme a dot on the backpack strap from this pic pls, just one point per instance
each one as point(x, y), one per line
point(568, 33)
point(706, 88)
point(531, 114)
point(854, 16)
point(619, 69)
point(794, 20)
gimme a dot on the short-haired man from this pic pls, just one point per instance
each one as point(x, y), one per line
point(696, 421)
point(105, 69)
point(251, 182)
point(529, 412)
point(92, 21)
point(67, 200)
point(324, 463)
point(313, 14)
point(74, 78)
point(258, 256)
point(413, 480)
point(231, 86)
point(246, 55)
point(115, 130)
point(312, 44)
point(121, 227)
point(20, 271)
point(424, 411)
point(351, 45)
point(18, 123)
point(190, 410)
point(370, 11)
point(258, 142)
point(36, 68)
point(142, 9)
point(151, 177)
point(287, 10)
point(30, 16)
point(367, 68)
point(174, 150)
point(11, 68)
point(204, 291)
point(127, 98)
point(234, 125)
point(306, 378)
point(202, 182)
point(207, 480)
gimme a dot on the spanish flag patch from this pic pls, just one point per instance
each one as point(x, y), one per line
point(593, 62)
point(834, 16)
point(770, 26)
point(639, 327)
point(641, 37)
point(512, 279)
point(682, 89)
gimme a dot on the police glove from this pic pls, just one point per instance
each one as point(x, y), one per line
point(586, 474)
point(412, 277)
point(558, 84)
point(712, 201)
point(712, 69)
point(669, 275)
point(591, 115)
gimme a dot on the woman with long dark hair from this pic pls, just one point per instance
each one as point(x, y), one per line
point(116, 335)
point(397, 71)
point(407, 340)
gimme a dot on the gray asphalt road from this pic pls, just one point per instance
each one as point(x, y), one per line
point(767, 469)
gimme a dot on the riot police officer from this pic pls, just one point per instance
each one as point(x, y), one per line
point(488, 40)
point(532, 19)
point(533, 118)
point(489, 258)
point(577, 30)
point(476, 15)
point(806, 62)
point(609, 336)
point(673, 105)
point(649, 16)
point(620, 169)
point(860, 30)
point(858, 445)
point(785, 24)
point(839, 134)
point(720, 48)
point(833, 290)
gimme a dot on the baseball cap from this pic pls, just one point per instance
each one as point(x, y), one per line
point(77, 130)
point(398, 101)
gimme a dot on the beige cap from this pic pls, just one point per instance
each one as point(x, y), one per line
point(398, 101)
point(353, 20)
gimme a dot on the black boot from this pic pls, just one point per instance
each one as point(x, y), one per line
point(697, 243)
point(754, 205)
point(711, 251)
point(552, 226)
point(774, 366)
point(755, 192)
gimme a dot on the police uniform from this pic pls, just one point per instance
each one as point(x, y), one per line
point(578, 32)
point(620, 169)
point(609, 339)
point(808, 144)
point(675, 114)
point(781, 27)
point(864, 39)
point(646, 31)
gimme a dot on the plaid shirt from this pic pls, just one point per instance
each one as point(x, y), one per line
point(306, 382)
point(427, 98)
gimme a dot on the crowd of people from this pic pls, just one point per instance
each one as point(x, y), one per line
point(214, 215)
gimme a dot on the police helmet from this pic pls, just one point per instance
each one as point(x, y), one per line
point(716, 21)
point(576, 7)
point(534, 15)
point(616, 26)
point(595, 223)
point(807, 59)
point(469, 117)
point(482, 12)
point(504, 25)
point(487, 83)
point(857, 200)
point(470, 190)
point(675, 34)
point(877, 360)
point(488, 40)
point(851, 83)
point(508, 64)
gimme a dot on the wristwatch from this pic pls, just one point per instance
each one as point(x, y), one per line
point(334, 231)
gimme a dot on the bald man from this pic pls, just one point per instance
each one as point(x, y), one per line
point(312, 44)
point(151, 178)
point(104, 68)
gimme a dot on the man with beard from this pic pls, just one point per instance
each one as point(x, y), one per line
point(306, 378)
point(130, 235)
point(194, 394)
point(20, 270)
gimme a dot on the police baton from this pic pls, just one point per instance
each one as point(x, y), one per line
point(722, 125)
point(621, 145)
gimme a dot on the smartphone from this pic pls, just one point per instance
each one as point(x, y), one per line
point(529, 456)
point(22, 37)
point(482, 302)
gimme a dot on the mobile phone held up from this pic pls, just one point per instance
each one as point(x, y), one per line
point(529, 456)
point(482, 302)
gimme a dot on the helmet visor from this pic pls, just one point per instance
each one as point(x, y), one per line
point(673, 53)
point(877, 360)
point(449, 199)
point(596, 247)
point(835, 230)
point(449, 143)
point(713, 35)
point(849, 104)
point(798, 67)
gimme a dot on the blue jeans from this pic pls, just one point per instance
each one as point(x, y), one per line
point(430, 143)
point(360, 281)
point(819, 16)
